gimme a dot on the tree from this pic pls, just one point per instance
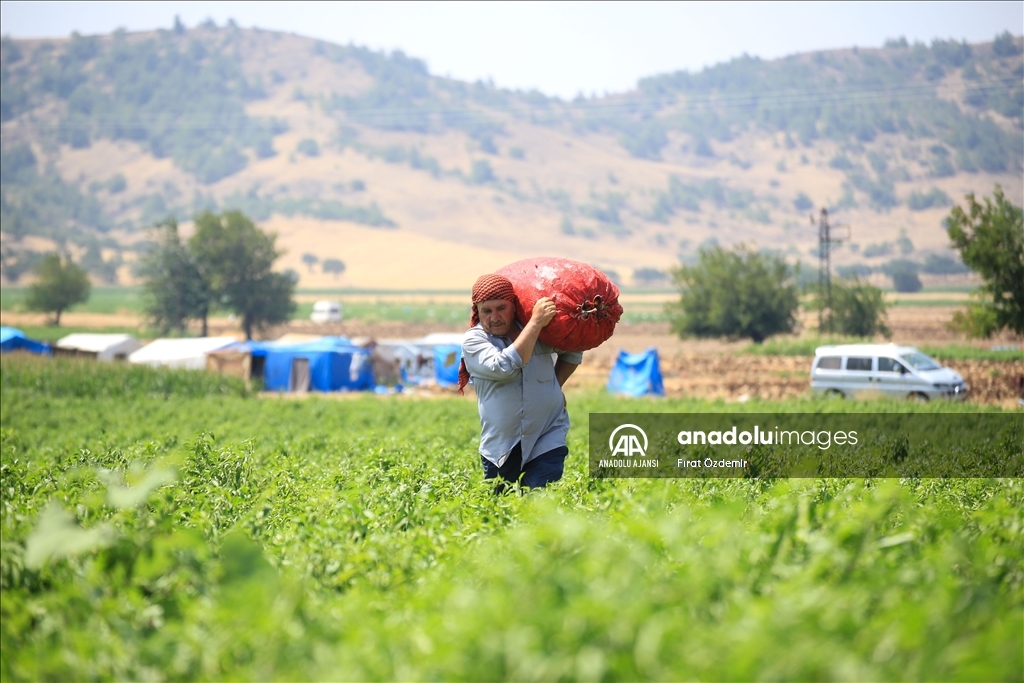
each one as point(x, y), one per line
point(739, 293)
point(482, 172)
point(236, 258)
point(309, 147)
point(60, 285)
point(858, 309)
point(333, 266)
point(904, 275)
point(1005, 45)
point(803, 202)
point(990, 239)
point(646, 277)
point(310, 260)
point(906, 281)
point(175, 289)
point(935, 264)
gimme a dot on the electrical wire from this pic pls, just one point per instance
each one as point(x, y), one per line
point(632, 105)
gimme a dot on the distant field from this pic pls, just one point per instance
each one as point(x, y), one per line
point(108, 300)
point(929, 298)
point(433, 305)
point(370, 305)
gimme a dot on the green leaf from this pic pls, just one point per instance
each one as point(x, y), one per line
point(120, 496)
point(57, 535)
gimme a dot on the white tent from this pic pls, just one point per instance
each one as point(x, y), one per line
point(180, 353)
point(429, 366)
point(440, 339)
point(415, 362)
point(105, 347)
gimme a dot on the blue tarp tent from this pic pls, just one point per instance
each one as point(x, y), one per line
point(447, 358)
point(327, 364)
point(637, 374)
point(15, 340)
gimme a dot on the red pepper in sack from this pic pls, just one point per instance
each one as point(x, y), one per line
point(587, 302)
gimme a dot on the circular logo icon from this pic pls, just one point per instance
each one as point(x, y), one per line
point(628, 442)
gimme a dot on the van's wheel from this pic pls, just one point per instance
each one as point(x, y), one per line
point(918, 397)
point(834, 393)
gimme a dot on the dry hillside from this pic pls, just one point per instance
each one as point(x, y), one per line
point(478, 177)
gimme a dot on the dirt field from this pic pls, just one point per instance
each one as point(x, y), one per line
point(711, 369)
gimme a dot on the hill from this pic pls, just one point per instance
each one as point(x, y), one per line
point(415, 180)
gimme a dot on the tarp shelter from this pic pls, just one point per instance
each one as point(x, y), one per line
point(246, 359)
point(15, 340)
point(415, 363)
point(447, 358)
point(637, 374)
point(327, 364)
point(297, 338)
point(103, 347)
point(230, 361)
point(180, 353)
point(443, 352)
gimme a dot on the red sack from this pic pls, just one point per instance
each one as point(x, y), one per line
point(587, 302)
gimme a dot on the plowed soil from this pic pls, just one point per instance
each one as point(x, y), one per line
point(741, 377)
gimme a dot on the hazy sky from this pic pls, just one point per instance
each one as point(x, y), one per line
point(558, 48)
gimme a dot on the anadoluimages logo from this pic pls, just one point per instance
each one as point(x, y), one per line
point(628, 444)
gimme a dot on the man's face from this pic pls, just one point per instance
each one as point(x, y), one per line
point(496, 316)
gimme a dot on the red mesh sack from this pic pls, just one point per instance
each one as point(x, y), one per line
point(587, 302)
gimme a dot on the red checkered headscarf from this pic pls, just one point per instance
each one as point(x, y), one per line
point(487, 288)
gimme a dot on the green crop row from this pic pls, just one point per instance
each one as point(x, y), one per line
point(87, 379)
point(198, 534)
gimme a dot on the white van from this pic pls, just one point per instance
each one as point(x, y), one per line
point(861, 370)
point(326, 312)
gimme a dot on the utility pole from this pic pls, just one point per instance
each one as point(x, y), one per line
point(825, 241)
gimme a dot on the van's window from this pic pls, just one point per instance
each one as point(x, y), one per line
point(919, 361)
point(829, 362)
point(862, 364)
point(889, 365)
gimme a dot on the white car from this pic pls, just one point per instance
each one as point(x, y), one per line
point(326, 312)
point(862, 370)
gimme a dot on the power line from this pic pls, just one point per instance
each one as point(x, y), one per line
point(633, 105)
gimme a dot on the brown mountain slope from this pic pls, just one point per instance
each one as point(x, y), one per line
point(558, 190)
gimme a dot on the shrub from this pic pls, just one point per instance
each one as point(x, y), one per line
point(906, 281)
point(840, 162)
point(482, 172)
point(646, 141)
point(943, 265)
point(858, 309)
point(309, 147)
point(738, 293)
point(1005, 45)
point(855, 270)
point(990, 238)
point(919, 201)
point(876, 250)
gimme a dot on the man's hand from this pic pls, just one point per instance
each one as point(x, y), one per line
point(544, 311)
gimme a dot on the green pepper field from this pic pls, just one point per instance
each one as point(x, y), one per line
point(162, 525)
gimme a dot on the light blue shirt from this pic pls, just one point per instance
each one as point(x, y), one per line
point(517, 403)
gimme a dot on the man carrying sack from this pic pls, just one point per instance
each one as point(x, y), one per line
point(523, 417)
